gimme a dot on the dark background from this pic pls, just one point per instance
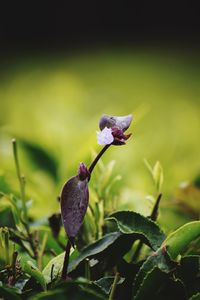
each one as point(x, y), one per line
point(54, 25)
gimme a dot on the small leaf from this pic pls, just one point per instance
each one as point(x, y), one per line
point(130, 222)
point(158, 175)
point(105, 284)
point(178, 240)
point(74, 203)
point(29, 268)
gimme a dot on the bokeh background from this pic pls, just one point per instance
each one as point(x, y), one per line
point(64, 65)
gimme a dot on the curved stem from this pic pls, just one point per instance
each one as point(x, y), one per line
point(93, 164)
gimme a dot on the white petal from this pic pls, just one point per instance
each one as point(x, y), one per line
point(105, 136)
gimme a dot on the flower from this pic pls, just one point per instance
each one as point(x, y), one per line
point(105, 136)
point(112, 130)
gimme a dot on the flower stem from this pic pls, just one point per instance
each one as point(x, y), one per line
point(93, 164)
point(114, 286)
point(66, 261)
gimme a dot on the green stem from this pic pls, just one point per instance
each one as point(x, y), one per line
point(114, 286)
point(41, 252)
point(87, 269)
point(21, 178)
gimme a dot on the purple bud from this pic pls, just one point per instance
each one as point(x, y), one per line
point(83, 172)
point(122, 123)
point(74, 203)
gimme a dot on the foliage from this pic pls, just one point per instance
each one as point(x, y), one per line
point(125, 256)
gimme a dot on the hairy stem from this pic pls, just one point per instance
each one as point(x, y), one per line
point(66, 261)
point(93, 164)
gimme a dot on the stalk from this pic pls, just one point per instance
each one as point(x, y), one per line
point(21, 178)
point(114, 286)
point(41, 252)
point(66, 261)
point(95, 161)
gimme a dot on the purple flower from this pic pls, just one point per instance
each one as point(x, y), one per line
point(112, 130)
point(105, 136)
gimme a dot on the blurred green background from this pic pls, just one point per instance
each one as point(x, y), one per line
point(52, 104)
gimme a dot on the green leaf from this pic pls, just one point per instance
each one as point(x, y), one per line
point(133, 223)
point(105, 284)
point(188, 271)
point(54, 267)
point(170, 249)
point(158, 175)
point(41, 159)
point(74, 290)
point(95, 249)
point(151, 283)
point(29, 268)
point(160, 286)
point(103, 252)
point(178, 240)
point(160, 260)
point(195, 297)
point(8, 293)
point(6, 216)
